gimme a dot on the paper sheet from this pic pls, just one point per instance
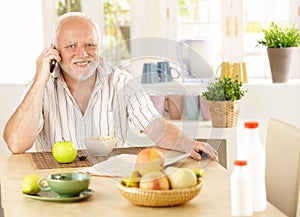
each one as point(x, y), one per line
point(122, 165)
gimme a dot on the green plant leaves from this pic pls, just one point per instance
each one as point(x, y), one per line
point(62, 6)
point(280, 36)
point(224, 90)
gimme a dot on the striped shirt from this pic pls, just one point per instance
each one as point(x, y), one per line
point(116, 102)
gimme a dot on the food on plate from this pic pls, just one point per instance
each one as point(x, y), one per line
point(30, 184)
point(181, 177)
point(154, 180)
point(64, 151)
point(148, 160)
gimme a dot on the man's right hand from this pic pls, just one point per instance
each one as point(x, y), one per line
point(43, 63)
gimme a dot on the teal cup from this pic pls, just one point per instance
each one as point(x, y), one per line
point(192, 106)
point(65, 184)
point(165, 72)
point(150, 73)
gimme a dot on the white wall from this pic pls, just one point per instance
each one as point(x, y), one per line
point(9, 95)
point(267, 100)
point(22, 39)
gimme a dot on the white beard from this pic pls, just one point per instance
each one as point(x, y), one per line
point(84, 75)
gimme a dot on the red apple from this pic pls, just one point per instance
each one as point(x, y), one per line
point(148, 160)
point(154, 180)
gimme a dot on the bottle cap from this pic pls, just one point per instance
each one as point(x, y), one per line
point(240, 162)
point(251, 124)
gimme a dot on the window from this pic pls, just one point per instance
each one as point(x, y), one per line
point(258, 14)
point(22, 40)
point(116, 32)
point(200, 19)
point(64, 6)
point(234, 26)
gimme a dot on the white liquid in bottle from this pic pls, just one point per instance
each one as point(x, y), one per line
point(241, 190)
point(256, 158)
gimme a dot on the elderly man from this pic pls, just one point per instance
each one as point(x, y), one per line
point(83, 97)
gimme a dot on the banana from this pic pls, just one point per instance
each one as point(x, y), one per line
point(133, 180)
point(199, 172)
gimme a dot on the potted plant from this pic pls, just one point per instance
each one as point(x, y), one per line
point(224, 95)
point(280, 42)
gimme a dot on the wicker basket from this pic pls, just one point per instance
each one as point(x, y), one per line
point(224, 114)
point(159, 198)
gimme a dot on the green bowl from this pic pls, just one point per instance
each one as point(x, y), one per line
point(65, 184)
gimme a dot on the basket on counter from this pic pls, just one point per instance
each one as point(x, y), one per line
point(224, 114)
point(159, 198)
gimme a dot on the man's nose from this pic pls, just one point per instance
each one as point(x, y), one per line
point(81, 52)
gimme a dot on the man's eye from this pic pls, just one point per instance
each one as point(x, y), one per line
point(91, 45)
point(71, 46)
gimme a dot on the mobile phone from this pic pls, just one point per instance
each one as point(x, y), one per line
point(52, 65)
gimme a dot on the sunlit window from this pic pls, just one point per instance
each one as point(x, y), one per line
point(116, 33)
point(258, 14)
point(197, 18)
point(199, 22)
point(22, 40)
point(64, 6)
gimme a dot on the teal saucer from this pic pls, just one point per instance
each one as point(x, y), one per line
point(54, 197)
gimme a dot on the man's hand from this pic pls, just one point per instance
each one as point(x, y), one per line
point(43, 62)
point(200, 147)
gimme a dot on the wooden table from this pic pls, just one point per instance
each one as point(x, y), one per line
point(213, 200)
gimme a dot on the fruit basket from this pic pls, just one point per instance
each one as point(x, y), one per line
point(159, 198)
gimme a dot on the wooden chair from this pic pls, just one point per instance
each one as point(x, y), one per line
point(283, 166)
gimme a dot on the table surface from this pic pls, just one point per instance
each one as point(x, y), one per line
point(213, 200)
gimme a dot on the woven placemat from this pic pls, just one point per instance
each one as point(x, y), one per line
point(45, 160)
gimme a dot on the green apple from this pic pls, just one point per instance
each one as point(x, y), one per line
point(64, 151)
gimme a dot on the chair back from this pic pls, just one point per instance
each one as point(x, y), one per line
point(283, 166)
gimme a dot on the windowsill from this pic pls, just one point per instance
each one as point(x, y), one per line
point(268, 81)
point(177, 87)
point(194, 85)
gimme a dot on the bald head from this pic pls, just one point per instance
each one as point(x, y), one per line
point(74, 20)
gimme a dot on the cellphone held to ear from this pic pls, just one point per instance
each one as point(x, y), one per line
point(52, 65)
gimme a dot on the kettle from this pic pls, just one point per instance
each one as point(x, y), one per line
point(196, 57)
